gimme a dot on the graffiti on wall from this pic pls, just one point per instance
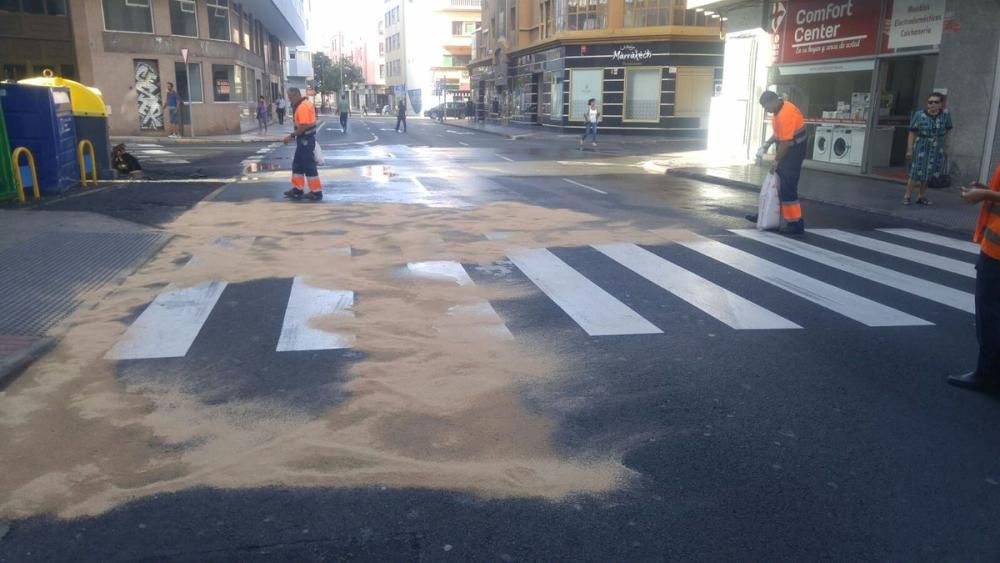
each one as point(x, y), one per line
point(147, 89)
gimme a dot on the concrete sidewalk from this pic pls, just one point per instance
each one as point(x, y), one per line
point(855, 191)
point(516, 133)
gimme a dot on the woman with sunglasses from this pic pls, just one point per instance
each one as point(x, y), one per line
point(925, 146)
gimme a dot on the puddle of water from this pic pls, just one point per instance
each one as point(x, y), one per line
point(378, 173)
point(251, 167)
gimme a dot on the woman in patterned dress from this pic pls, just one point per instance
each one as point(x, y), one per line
point(926, 146)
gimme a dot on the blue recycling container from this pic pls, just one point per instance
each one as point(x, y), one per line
point(41, 119)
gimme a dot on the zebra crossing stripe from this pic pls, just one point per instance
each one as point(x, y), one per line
point(307, 302)
point(852, 306)
point(930, 238)
point(727, 307)
point(482, 311)
point(904, 252)
point(595, 310)
point(936, 292)
point(168, 327)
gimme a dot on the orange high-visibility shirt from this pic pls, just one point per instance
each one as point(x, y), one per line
point(305, 113)
point(788, 122)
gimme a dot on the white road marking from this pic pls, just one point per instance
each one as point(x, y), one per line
point(482, 312)
point(852, 306)
point(149, 146)
point(724, 305)
point(505, 158)
point(575, 183)
point(463, 144)
point(595, 310)
point(903, 282)
point(418, 183)
point(906, 253)
point(947, 242)
point(306, 302)
point(459, 132)
point(173, 161)
point(263, 151)
point(155, 151)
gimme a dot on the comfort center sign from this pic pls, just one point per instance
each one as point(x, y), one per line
point(813, 30)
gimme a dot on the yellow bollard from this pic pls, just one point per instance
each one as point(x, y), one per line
point(18, 181)
point(93, 162)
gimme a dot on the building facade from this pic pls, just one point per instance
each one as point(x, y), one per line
point(428, 47)
point(131, 49)
point(859, 70)
point(651, 65)
point(298, 68)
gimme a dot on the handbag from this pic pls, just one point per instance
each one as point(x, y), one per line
point(940, 181)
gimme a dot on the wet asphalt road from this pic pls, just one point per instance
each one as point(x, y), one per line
point(829, 440)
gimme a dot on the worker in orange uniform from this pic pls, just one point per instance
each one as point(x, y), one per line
point(790, 134)
point(986, 377)
point(304, 172)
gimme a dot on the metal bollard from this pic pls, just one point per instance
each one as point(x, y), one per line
point(85, 144)
point(18, 181)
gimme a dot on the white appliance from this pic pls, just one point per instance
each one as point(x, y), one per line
point(822, 143)
point(848, 145)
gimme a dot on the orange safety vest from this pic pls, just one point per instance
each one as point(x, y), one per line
point(789, 125)
point(987, 232)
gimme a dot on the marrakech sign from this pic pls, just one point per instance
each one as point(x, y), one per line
point(631, 54)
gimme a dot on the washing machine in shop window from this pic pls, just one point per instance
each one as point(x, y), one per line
point(841, 145)
point(822, 143)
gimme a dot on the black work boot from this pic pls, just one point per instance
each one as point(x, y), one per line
point(974, 382)
point(294, 193)
point(313, 196)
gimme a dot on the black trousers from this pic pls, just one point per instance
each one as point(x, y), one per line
point(343, 120)
point(401, 119)
point(988, 317)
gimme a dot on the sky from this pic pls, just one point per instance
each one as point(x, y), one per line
point(331, 16)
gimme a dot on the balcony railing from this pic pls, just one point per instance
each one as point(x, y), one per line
point(465, 3)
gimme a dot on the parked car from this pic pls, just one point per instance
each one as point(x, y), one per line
point(450, 109)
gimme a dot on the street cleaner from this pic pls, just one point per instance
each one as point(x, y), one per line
point(986, 377)
point(790, 134)
point(304, 170)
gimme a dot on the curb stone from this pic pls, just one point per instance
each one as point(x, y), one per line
point(13, 364)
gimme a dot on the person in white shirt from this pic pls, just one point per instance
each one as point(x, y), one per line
point(280, 106)
point(590, 117)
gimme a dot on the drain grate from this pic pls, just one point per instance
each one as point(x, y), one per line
point(42, 278)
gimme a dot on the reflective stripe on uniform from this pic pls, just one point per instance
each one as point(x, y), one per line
point(298, 181)
point(791, 211)
point(991, 239)
point(314, 183)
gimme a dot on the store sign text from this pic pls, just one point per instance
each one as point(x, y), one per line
point(916, 23)
point(811, 30)
point(631, 54)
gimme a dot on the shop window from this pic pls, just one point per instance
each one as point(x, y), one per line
point(33, 6)
point(55, 7)
point(15, 72)
point(645, 13)
point(192, 79)
point(583, 85)
point(183, 19)
point(694, 89)
point(128, 15)
point(218, 19)
point(556, 95)
point(642, 94)
point(223, 83)
point(10, 6)
point(584, 14)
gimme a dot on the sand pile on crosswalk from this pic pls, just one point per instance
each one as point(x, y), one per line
point(432, 400)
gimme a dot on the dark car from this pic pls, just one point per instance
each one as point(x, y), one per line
point(450, 109)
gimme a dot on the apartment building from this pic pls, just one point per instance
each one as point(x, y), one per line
point(428, 47)
point(298, 68)
point(652, 65)
point(131, 49)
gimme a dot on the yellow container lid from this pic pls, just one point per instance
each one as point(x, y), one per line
point(86, 101)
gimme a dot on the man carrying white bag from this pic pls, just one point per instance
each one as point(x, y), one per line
point(768, 204)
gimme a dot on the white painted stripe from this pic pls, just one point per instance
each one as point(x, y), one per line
point(419, 183)
point(947, 242)
point(149, 146)
point(852, 306)
point(575, 183)
point(155, 151)
point(482, 314)
point(168, 327)
point(263, 151)
point(938, 293)
point(904, 252)
point(306, 302)
point(717, 301)
point(505, 158)
point(595, 310)
point(463, 144)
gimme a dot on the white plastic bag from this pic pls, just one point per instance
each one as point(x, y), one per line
point(768, 205)
point(318, 155)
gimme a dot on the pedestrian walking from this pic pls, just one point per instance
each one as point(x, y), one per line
point(262, 111)
point(926, 146)
point(304, 171)
point(986, 376)
point(401, 115)
point(591, 116)
point(344, 107)
point(470, 110)
point(364, 110)
point(279, 108)
point(171, 104)
point(790, 135)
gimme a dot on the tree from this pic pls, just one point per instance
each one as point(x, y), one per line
point(327, 74)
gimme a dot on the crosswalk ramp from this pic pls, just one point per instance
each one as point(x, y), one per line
point(880, 279)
